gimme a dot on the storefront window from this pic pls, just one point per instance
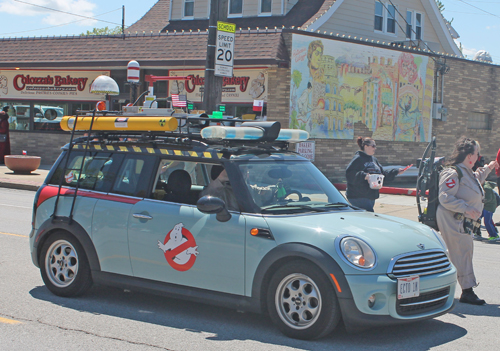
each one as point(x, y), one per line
point(47, 117)
point(36, 115)
point(19, 117)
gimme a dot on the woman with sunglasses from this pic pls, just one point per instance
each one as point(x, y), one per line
point(363, 164)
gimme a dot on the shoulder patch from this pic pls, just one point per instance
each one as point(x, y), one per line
point(450, 183)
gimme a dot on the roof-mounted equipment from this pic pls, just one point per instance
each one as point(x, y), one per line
point(255, 131)
point(114, 123)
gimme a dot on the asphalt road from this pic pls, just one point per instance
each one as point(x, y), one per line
point(31, 318)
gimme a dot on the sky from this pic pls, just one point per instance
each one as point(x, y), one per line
point(476, 21)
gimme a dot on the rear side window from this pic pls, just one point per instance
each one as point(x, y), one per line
point(97, 172)
point(134, 175)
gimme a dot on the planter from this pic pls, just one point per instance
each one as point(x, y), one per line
point(22, 163)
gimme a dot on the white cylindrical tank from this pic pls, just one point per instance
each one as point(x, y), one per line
point(133, 72)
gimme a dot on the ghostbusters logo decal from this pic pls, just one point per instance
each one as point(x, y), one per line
point(179, 248)
point(69, 177)
point(450, 183)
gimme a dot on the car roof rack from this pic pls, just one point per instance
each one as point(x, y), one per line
point(108, 127)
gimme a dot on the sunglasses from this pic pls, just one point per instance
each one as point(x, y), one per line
point(373, 146)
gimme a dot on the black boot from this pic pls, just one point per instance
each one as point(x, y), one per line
point(468, 296)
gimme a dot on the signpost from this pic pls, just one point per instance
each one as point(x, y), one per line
point(306, 149)
point(224, 56)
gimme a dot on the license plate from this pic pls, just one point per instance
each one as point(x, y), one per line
point(408, 287)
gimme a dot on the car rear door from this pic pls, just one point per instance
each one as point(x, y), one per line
point(128, 178)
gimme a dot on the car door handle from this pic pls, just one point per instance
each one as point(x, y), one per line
point(141, 216)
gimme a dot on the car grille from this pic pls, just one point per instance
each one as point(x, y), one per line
point(419, 263)
point(426, 302)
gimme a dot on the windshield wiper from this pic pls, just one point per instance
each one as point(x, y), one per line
point(341, 204)
point(291, 205)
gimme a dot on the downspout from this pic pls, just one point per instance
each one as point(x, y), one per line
point(170, 11)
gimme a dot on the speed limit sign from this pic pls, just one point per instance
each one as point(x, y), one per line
point(224, 55)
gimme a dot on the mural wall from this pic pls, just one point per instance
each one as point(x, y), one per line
point(335, 84)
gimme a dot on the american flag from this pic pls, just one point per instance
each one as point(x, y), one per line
point(179, 100)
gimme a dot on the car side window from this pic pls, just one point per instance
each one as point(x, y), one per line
point(180, 181)
point(134, 175)
point(98, 171)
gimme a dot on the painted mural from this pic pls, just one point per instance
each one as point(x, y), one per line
point(335, 84)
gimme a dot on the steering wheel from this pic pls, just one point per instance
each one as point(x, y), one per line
point(290, 193)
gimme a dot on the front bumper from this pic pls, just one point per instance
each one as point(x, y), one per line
point(357, 313)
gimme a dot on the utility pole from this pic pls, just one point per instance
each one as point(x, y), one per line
point(212, 91)
point(123, 22)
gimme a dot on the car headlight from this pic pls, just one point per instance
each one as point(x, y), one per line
point(440, 239)
point(357, 252)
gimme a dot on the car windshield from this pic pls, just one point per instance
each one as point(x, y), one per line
point(290, 187)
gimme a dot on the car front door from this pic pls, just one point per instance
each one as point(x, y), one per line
point(171, 241)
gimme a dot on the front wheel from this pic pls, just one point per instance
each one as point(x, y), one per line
point(302, 302)
point(64, 265)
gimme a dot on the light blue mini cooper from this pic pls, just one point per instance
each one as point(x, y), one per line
point(229, 216)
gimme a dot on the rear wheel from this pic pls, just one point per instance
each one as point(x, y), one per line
point(302, 302)
point(64, 265)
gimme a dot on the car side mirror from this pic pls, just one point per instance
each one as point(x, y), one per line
point(50, 114)
point(211, 204)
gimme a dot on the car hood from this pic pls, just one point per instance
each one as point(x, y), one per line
point(388, 236)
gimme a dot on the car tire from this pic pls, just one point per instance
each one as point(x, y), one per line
point(302, 302)
point(64, 265)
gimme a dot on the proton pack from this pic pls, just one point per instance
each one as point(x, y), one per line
point(428, 184)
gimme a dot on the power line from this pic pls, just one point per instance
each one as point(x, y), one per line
point(478, 8)
point(59, 25)
point(67, 13)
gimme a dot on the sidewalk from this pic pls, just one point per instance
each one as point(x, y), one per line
point(32, 181)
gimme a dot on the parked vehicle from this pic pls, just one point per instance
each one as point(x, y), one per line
point(129, 213)
point(45, 117)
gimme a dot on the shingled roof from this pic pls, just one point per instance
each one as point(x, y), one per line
point(304, 11)
point(154, 20)
point(173, 49)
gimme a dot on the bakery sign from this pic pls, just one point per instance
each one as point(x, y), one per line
point(246, 85)
point(48, 85)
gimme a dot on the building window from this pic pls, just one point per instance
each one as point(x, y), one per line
point(235, 7)
point(188, 8)
point(385, 18)
point(414, 24)
point(379, 16)
point(265, 6)
point(478, 120)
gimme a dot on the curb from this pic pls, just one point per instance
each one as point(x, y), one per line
point(384, 190)
point(19, 186)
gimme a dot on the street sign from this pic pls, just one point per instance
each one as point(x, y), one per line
point(224, 55)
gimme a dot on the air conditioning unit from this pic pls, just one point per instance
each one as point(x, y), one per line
point(439, 111)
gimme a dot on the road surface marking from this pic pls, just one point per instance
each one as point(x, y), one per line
point(8, 321)
point(29, 208)
point(22, 236)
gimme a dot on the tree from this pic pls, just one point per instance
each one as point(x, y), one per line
point(440, 6)
point(104, 31)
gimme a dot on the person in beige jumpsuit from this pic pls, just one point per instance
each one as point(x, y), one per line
point(460, 199)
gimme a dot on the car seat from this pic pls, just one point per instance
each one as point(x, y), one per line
point(178, 187)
